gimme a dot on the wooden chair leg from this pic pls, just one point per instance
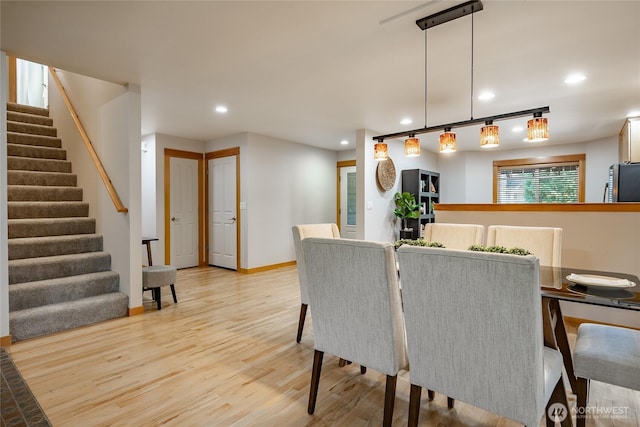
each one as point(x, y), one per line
point(173, 291)
point(430, 394)
point(582, 397)
point(315, 381)
point(363, 369)
point(389, 400)
point(559, 395)
point(450, 402)
point(414, 405)
point(303, 315)
point(342, 362)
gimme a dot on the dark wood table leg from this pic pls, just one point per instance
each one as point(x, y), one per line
point(556, 337)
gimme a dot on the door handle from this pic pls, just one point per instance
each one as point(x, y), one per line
point(173, 218)
point(233, 219)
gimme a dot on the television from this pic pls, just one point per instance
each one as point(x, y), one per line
point(624, 182)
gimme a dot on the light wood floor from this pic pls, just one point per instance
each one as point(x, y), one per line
point(226, 355)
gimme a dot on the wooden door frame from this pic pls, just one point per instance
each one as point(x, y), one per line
point(13, 79)
point(339, 166)
point(168, 154)
point(235, 151)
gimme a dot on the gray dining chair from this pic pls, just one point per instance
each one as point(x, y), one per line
point(474, 332)
point(357, 311)
point(605, 353)
point(300, 232)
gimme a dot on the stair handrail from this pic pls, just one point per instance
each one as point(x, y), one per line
point(87, 142)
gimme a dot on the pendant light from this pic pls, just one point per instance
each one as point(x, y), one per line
point(537, 128)
point(448, 141)
point(489, 135)
point(412, 146)
point(380, 151)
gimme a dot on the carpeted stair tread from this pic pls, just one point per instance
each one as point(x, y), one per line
point(34, 269)
point(40, 165)
point(53, 291)
point(50, 318)
point(34, 247)
point(31, 129)
point(16, 116)
point(38, 193)
point(28, 109)
point(19, 210)
point(18, 177)
point(39, 140)
point(36, 227)
point(34, 151)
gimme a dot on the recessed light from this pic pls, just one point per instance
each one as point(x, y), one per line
point(517, 129)
point(406, 121)
point(575, 78)
point(487, 95)
point(344, 142)
point(221, 109)
point(634, 113)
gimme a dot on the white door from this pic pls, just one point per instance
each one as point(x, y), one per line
point(348, 202)
point(223, 230)
point(184, 212)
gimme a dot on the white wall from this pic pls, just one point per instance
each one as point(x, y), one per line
point(282, 183)
point(468, 177)
point(118, 147)
point(4, 257)
point(161, 142)
point(376, 220)
point(87, 95)
point(148, 186)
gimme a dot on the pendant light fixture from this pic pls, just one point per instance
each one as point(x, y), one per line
point(448, 141)
point(380, 151)
point(489, 135)
point(537, 128)
point(412, 146)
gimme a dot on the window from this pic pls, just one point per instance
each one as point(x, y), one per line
point(558, 179)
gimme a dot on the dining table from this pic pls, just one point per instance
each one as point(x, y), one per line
point(612, 289)
point(147, 241)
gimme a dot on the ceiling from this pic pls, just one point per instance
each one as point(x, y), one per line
point(315, 72)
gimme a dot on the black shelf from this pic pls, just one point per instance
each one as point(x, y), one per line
point(425, 187)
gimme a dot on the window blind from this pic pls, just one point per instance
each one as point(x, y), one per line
point(555, 183)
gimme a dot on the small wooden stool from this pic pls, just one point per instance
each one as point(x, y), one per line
point(155, 277)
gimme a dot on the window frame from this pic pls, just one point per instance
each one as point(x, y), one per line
point(532, 162)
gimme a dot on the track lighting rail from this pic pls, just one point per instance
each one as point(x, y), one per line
point(530, 112)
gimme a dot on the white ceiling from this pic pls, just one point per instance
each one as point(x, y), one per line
point(315, 72)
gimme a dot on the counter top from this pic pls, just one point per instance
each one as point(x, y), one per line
point(541, 207)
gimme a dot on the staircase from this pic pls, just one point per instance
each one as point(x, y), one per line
point(59, 275)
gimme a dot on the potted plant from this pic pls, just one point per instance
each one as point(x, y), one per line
point(406, 208)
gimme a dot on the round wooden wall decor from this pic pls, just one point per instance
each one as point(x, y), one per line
point(386, 174)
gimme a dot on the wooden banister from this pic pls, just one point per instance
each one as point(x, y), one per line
point(87, 142)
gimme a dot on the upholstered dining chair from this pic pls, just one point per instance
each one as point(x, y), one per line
point(474, 332)
point(302, 232)
point(357, 312)
point(605, 353)
point(543, 242)
point(454, 236)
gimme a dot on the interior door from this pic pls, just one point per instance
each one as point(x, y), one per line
point(348, 202)
point(184, 212)
point(223, 230)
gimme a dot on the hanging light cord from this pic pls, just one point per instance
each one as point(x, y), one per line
point(472, 64)
point(425, 79)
